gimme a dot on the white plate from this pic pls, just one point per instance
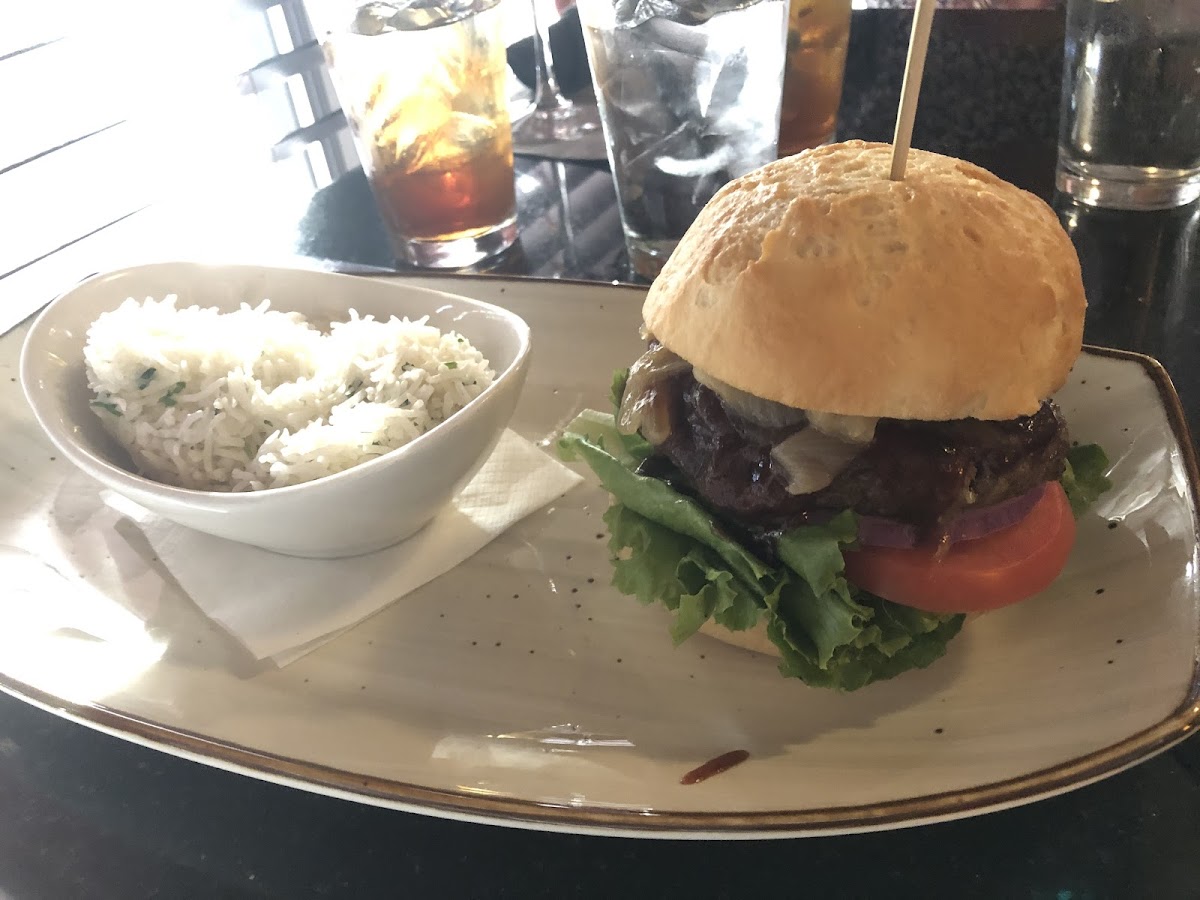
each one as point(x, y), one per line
point(520, 688)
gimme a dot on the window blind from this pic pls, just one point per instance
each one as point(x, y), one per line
point(113, 114)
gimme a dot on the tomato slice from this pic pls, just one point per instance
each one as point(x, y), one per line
point(1002, 568)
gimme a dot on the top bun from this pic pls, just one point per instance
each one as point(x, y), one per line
point(816, 282)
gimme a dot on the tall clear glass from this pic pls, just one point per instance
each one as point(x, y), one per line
point(689, 96)
point(1129, 133)
point(424, 88)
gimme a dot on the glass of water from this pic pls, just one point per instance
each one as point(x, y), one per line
point(1129, 134)
point(689, 94)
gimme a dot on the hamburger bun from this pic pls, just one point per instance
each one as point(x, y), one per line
point(817, 282)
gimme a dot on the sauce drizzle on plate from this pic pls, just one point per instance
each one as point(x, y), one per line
point(715, 766)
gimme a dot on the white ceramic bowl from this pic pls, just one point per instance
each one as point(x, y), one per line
point(371, 506)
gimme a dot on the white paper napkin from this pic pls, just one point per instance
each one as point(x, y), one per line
point(281, 607)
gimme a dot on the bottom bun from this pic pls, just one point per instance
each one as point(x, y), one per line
point(754, 639)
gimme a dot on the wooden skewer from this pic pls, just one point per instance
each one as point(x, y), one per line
point(914, 68)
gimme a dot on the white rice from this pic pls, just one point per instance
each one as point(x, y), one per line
point(259, 399)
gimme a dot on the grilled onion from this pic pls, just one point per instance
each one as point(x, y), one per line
point(643, 409)
point(812, 459)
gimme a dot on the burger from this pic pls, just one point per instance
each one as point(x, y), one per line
point(840, 439)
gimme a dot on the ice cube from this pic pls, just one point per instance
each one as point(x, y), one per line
point(697, 166)
point(373, 19)
point(631, 13)
point(451, 146)
point(724, 99)
point(378, 18)
point(408, 137)
point(632, 96)
point(468, 131)
point(668, 34)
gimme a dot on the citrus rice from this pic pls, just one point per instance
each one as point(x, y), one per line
point(259, 398)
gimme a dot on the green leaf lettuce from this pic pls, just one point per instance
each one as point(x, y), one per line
point(1084, 479)
point(668, 549)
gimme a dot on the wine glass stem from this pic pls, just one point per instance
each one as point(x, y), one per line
point(546, 94)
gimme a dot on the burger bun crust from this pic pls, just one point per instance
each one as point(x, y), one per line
point(818, 283)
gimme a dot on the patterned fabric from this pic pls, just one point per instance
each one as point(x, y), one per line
point(986, 84)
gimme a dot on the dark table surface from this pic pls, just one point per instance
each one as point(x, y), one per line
point(87, 815)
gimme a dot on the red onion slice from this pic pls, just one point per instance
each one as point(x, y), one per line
point(979, 523)
point(876, 531)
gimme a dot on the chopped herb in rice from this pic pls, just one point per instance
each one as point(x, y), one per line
point(168, 399)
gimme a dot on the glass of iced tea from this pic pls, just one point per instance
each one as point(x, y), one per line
point(423, 85)
point(818, 32)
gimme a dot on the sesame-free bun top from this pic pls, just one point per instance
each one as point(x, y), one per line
point(817, 282)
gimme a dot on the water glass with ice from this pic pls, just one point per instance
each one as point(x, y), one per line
point(1129, 132)
point(689, 94)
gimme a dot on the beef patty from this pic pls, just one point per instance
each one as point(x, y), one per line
point(923, 473)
